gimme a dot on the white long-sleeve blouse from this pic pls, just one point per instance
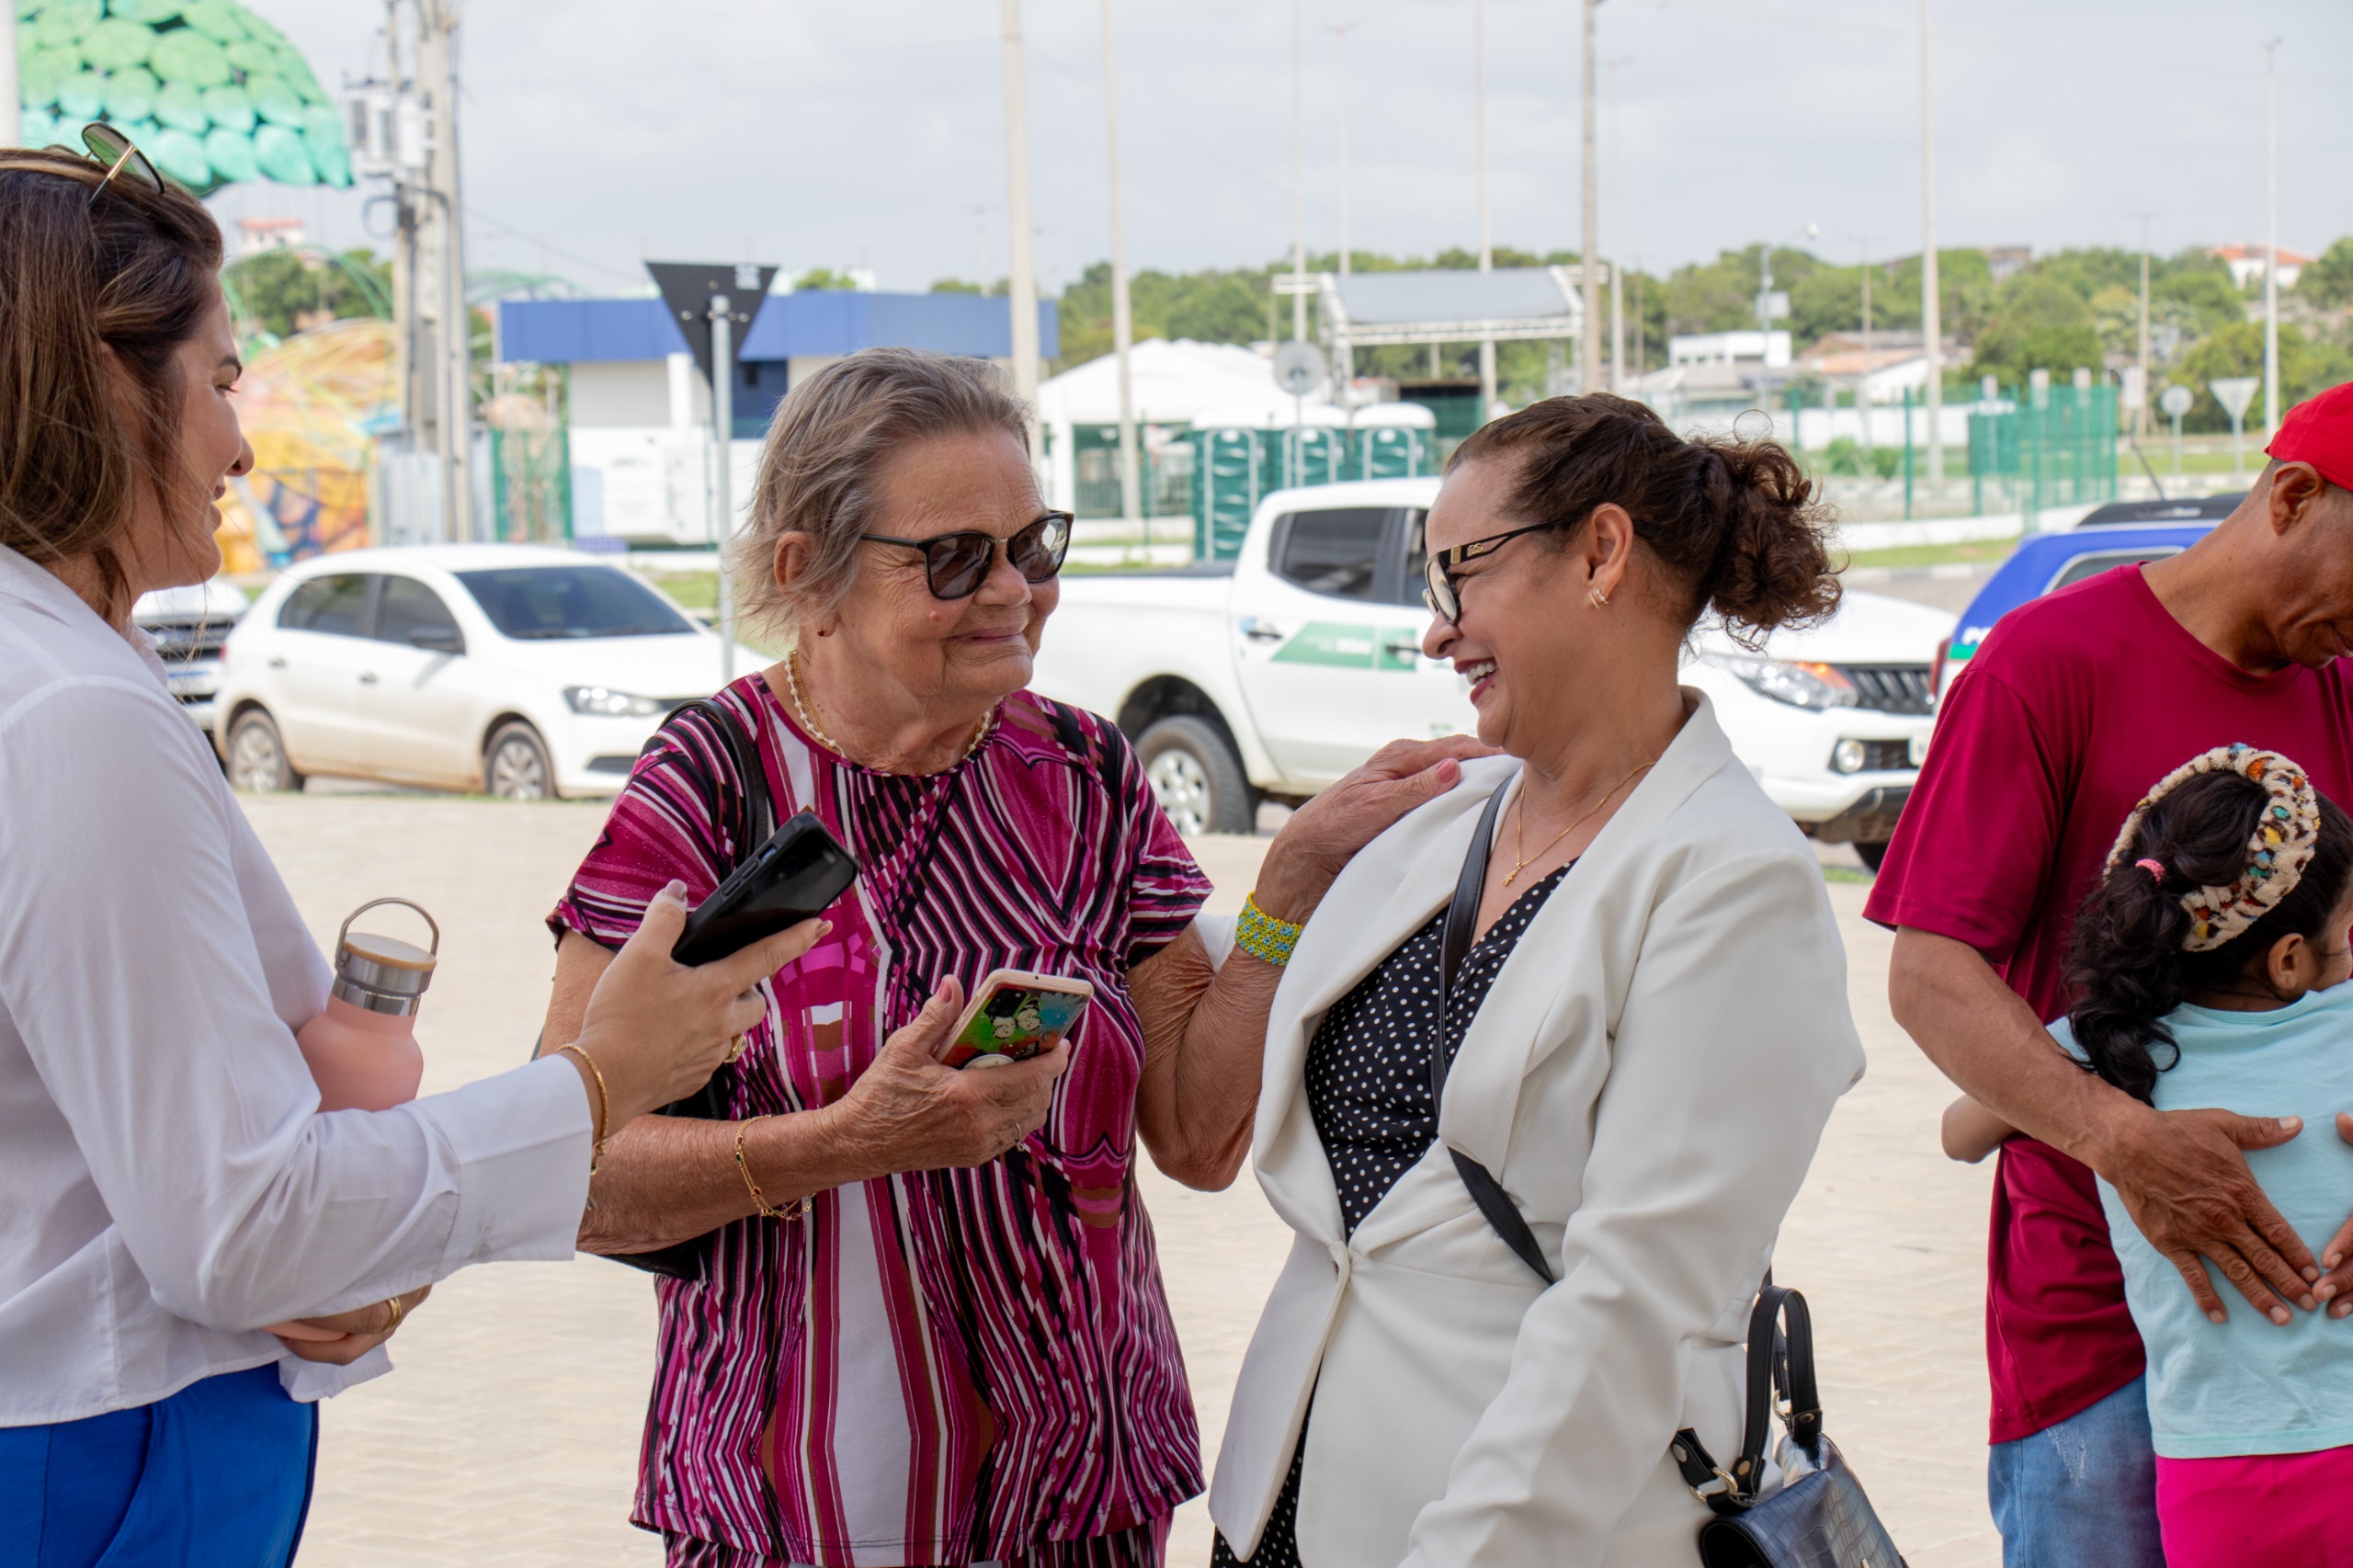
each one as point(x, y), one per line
point(167, 1182)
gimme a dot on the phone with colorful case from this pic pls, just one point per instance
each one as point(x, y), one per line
point(1014, 1016)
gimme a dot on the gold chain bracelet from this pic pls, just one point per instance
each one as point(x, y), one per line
point(604, 1107)
point(792, 1210)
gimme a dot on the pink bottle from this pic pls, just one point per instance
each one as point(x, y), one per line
point(362, 1051)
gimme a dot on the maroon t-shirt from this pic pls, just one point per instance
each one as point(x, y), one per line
point(2074, 706)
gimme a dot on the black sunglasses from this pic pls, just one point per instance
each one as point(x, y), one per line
point(955, 565)
point(119, 155)
point(1443, 596)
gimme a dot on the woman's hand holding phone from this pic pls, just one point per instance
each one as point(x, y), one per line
point(657, 1028)
point(908, 1112)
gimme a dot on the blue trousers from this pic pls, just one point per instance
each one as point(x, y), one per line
point(217, 1476)
point(2083, 1494)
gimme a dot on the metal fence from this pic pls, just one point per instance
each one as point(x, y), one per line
point(1233, 468)
point(2054, 446)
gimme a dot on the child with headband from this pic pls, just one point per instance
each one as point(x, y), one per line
point(2208, 967)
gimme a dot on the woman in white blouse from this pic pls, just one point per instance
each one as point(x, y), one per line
point(1643, 1043)
point(167, 1184)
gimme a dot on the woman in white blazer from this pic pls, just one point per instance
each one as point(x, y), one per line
point(1645, 1039)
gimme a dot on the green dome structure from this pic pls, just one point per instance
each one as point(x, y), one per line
point(212, 92)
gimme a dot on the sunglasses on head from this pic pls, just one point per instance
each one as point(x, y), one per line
point(955, 565)
point(121, 157)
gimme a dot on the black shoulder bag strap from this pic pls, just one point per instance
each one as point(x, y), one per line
point(747, 827)
point(1778, 1360)
point(1461, 926)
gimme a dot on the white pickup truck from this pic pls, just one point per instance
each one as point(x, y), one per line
point(1272, 676)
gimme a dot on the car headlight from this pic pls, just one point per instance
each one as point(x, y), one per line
point(1849, 757)
point(605, 702)
point(1785, 680)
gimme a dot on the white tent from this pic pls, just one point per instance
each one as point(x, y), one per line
point(1172, 382)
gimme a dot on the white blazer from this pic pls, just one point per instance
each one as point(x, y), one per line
point(1648, 1079)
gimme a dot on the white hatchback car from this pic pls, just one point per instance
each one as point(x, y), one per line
point(520, 670)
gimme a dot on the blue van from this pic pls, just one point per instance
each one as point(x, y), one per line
point(2048, 563)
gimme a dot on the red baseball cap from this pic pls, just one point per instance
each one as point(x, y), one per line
point(2319, 431)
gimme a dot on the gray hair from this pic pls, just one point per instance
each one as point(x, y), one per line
point(831, 435)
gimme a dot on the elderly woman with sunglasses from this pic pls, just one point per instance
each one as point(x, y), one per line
point(1547, 1070)
point(927, 1324)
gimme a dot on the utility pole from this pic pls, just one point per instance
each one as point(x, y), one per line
point(1298, 181)
point(1345, 371)
point(1589, 243)
point(2271, 236)
point(433, 335)
point(1022, 280)
point(1123, 325)
point(1931, 325)
point(2140, 347)
point(1617, 247)
point(1486, 233)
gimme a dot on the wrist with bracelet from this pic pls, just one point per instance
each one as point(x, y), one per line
point(760, 1205)
point(1263, 936)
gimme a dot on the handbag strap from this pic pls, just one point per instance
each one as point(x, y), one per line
point(754, 820)
point(1461, 924)
point(1780, 1358)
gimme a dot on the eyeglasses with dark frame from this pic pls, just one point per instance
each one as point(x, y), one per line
point(955, 565)
point(119, 155)
point(1445, 599)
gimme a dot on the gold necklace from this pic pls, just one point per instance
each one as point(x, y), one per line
point(1519, 821)
point(801, 710)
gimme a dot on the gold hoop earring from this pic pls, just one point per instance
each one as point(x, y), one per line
point(1596, 598)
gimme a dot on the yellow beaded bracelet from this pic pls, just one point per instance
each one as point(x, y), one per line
point(1262, 936)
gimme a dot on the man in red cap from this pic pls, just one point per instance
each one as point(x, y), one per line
point(2074, 705)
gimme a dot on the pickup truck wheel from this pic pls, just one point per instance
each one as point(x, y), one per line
point(1196, 776)
point(1873, 854)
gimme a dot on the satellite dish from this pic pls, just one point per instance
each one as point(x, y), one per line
point(2175, 401)
point(1299, 367)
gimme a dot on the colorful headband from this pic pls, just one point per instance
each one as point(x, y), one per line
point(2285, 836)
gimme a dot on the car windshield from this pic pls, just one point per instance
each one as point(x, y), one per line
point(539, 603)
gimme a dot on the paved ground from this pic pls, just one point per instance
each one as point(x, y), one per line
point(509, 1434)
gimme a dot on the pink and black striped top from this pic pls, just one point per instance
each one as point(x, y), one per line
point(941, 1366)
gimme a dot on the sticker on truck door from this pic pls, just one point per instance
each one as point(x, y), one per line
point(1347, 647)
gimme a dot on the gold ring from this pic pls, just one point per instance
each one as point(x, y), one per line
point(734, 1049)
point(398, 1311)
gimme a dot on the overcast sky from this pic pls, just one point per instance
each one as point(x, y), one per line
point(600, 132)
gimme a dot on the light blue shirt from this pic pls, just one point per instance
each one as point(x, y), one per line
point(2248, 1386)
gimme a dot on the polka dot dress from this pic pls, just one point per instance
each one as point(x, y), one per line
point(1369, 1088)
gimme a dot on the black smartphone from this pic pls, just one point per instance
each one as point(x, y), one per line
point(795, 876)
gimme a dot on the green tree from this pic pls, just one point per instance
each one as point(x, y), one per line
point(2039, 324)
point(282, 293)
point(2306, 369)
point(2327, 281)
point(2200, 290)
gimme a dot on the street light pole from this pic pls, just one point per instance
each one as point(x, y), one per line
point(1589, 240)
point(1931, 325)
point(1022, 281)
point(1123, 327)
point(1297, 179)
point(2140, 349)
point(1345, 371)
point(2271, 235)
point(1487, 236)
point(1617, 247)
point(722, 507)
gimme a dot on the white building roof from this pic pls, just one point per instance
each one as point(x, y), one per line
point(1172, 382)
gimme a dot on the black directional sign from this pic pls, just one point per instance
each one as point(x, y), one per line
point(688, 287)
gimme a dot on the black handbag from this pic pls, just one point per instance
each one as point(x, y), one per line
point(752, 813)
point(1821, 1518)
